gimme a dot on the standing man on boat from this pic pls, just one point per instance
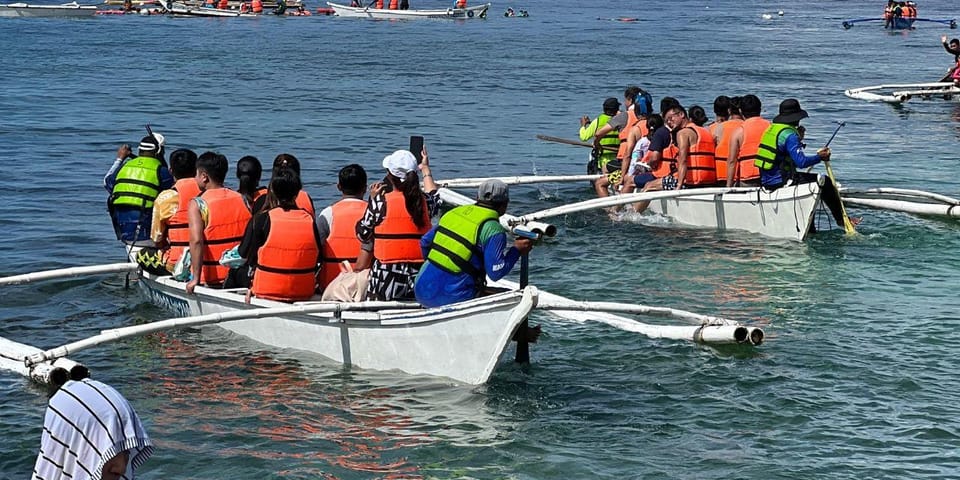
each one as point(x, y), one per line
point(606, 147)
point(217, 220)
point(781, 156)
point(467, 246)
point(744, 144)
point(134, 185)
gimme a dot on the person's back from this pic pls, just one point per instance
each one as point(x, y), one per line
point(170, 228)
point(288, 253)
point(133, 188)
point(90, 431)
point(217, 219)
point(338, 224)
point(466, 247)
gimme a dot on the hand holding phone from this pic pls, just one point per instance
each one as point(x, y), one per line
point(416, 147)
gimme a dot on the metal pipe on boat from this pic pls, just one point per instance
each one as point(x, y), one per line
point(67, 272)
point(77, 371)
point(14, 354)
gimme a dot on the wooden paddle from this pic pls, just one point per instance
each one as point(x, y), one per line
point(847, 224)
point(548, 138)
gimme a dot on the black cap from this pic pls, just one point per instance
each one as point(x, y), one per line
point(611, 104)
point(790, 112)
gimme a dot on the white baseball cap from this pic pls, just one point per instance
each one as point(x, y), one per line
point(400, 163)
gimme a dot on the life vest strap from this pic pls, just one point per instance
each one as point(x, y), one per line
point(464, 265)
point(221, 241)
point(287, 271)
point(140, 196)
point(397, 236)
point(340, 259)
point(133, 181)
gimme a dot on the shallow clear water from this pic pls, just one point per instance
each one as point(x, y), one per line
point(857, 378)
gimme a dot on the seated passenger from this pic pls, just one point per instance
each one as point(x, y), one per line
point(286, 160)
point(337, 224)
point(170, 229)
point(466, 247)
point(282, 246)
point(217, 219)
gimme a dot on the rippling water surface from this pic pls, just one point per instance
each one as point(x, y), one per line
point(858, 377)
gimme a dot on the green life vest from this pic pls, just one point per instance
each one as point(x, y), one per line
point(138, 183)
point(767, 151)
point(455, 241)
point(611, 139)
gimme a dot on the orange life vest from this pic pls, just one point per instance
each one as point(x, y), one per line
point(257, 6)
point(723, 147)
point(668, 161)
point(342, 243)
point(397, 238)
point(287, 261)
point(701, 166)
point(625, 134)
point(394, 4)
point(379, 4)
point(753, 129)
point(305, 203)
point(461, 3)
point(178, 229)
point(225, 227)
point(222, 4)
point(244, 7)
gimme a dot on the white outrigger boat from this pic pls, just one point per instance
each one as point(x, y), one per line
point(184, 10)
point(477, 11)
point(72, 9)
point(899, 93)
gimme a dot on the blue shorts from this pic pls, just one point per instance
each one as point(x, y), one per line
point(642, 179)
point(669, 182)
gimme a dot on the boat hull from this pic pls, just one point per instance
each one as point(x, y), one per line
point(786, 213)
point(67, 10)
point(463, 342)
point(478, 11)
point(185, 11)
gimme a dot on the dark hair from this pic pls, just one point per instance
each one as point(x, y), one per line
point(666, 103)
point(412, 195)
point(954, 41)
point(249, 171)
point(183, 163)
point(352, 179)
point(285, 187)
point(735, 106)
point(654, 121)
point(214, 164)
point(750, 105)
point(631, 92)
point(721, 106)
point(286, 160)
point(698, 115)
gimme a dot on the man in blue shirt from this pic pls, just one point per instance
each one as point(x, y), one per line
point(467, 246)
point(781, 156)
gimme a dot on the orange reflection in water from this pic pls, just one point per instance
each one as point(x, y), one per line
point(255, 397)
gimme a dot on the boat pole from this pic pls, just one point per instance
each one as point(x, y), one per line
point(847, 224)
point(523, 344)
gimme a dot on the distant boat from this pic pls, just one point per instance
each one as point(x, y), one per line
point(900, 17)
point(182, 10)
point(478, 11)
point(72, 9)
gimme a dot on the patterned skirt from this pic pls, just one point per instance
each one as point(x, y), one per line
point(392, 281)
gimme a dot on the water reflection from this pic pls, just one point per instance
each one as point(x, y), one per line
point(300, 415)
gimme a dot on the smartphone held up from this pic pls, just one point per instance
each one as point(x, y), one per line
point(416, 147)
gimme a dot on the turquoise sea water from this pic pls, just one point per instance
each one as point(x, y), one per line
point(857, 379)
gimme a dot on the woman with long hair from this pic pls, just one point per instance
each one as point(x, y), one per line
point(398, 214)
point(285, 161)
point(249, 171)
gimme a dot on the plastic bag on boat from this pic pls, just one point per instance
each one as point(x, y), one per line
point(231, 258)
point(349, 286)
point(181, 271)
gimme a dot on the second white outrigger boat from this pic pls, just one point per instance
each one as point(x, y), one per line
point(477, 11)
point(899, 93)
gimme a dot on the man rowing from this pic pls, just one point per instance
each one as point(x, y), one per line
point(467, 246)
point(781, 155)
point(606, 145)
point(134, 185)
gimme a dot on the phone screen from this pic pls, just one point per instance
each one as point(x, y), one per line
point(416, 147)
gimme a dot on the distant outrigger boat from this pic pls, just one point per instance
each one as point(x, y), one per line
point(478, 11)
point(899, 93)
point(72, 9)
point(903, 21)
